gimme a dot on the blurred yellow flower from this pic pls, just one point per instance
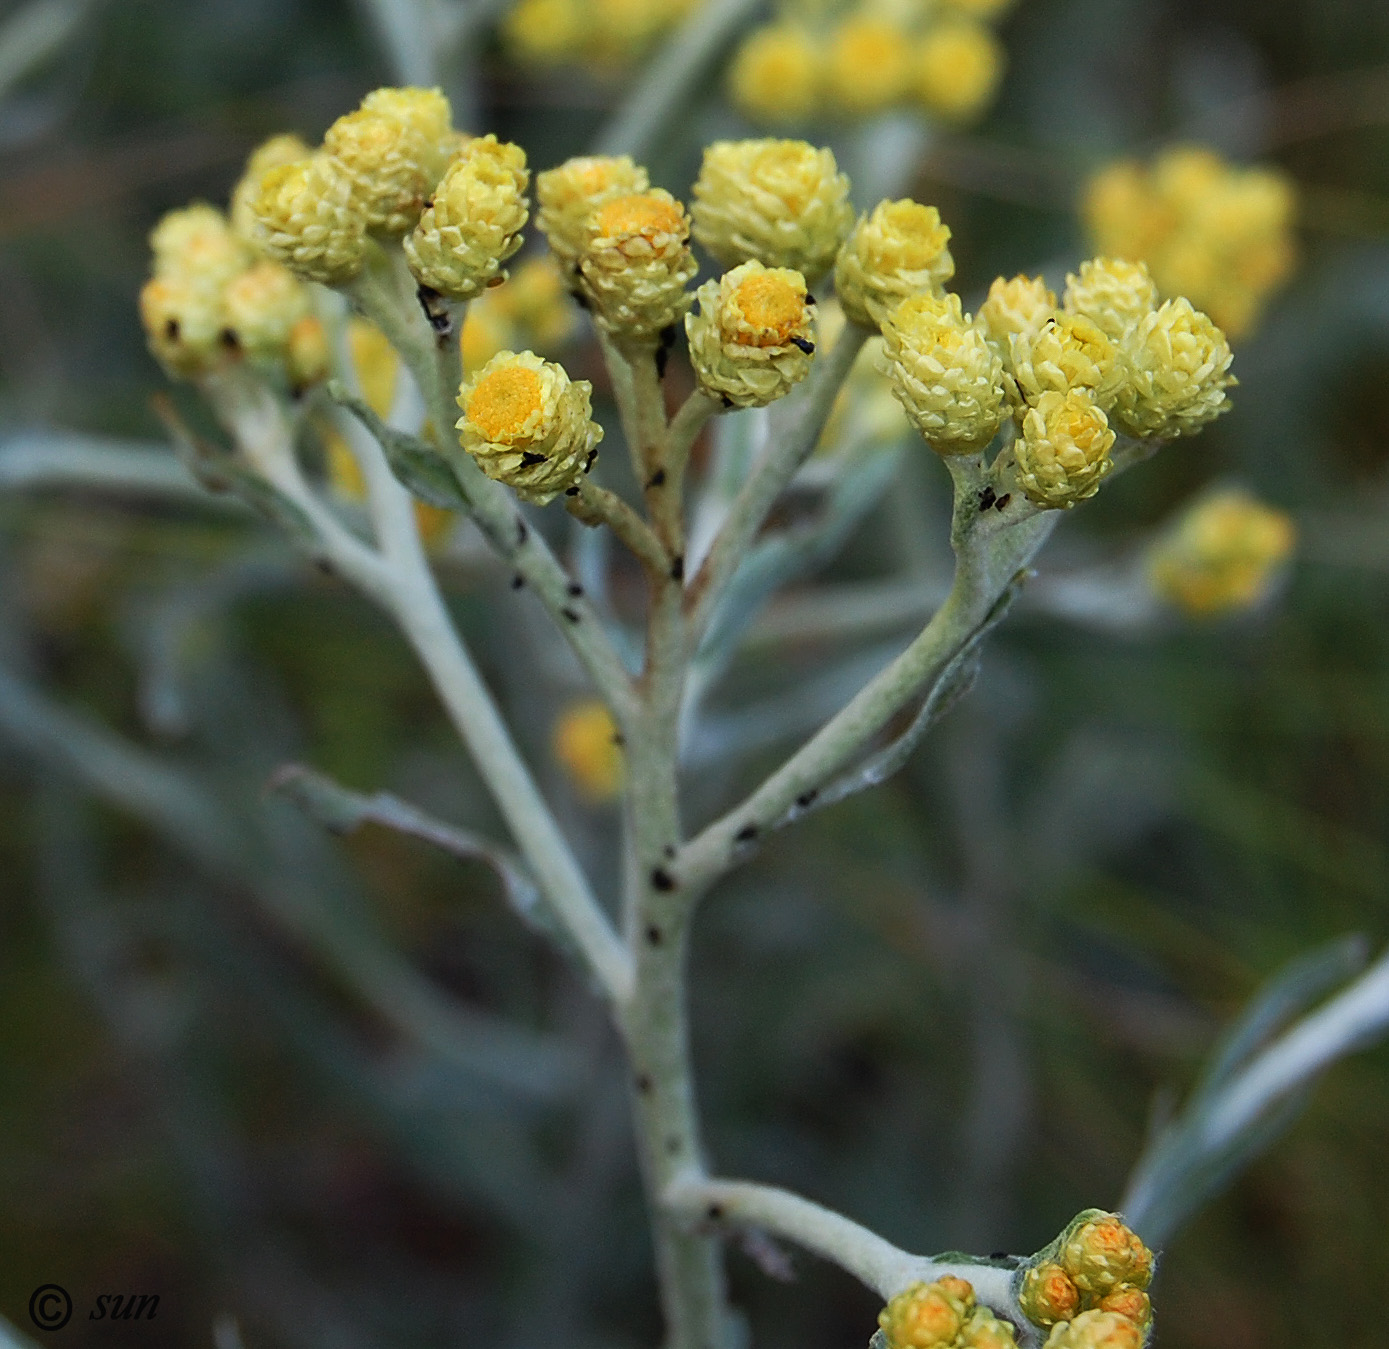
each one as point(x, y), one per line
point(585, 744)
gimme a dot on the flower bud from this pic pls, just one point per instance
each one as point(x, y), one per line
point(867, 63)
point(1096, 1330)
point(1224, 554)
point(269, 154)
point(776, 74)
point(183, 326)
point(958, 66)
point(429, 119)
point(944, 373)
point(569, 195)
point(586, 744)
point(753, 336)
point(901, 249)
point(1177, 365)
point(780, 202)
point(1069, 352)
point(1100, 1252)
point(636, 264)
point(927, 1315)
point(196, 244)
point(389, 164)
point(1129, 1301)
point(1021, 304)
point(1048, 1295)
point(1061, 456)
point(1113, 294)
point(527, 424)
point(306, 219)
point(262, 305)
point(473, 224)
point(984, 1330)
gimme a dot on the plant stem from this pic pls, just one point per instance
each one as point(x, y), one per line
point(597, 505)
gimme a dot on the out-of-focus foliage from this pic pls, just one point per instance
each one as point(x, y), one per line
point(953, 1008)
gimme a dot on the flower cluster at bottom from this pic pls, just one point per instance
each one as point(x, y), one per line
point(942, 1315)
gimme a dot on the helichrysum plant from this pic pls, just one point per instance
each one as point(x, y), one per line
point(326, 319)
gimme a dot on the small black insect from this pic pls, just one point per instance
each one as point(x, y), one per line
point(986, 498)
point(804, 344)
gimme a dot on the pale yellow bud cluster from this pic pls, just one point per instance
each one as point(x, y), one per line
point(527, 424)
point(606, 36)
point(753, 336)
point(857, 59)
point(1225, 554)
point(1089, 1286)
point(901, 249)
point(569, 195)
point(783, 203)
point(586, 744)
point(942, 1315)
point(1218, 234)
point(473, 224)
point(944, 373)
point(211, 301)
point(269, 154)
point(636, 265)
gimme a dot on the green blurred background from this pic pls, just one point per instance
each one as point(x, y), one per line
point(947, 1007)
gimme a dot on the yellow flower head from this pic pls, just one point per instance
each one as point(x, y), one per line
point(984, 1330)
point(753, 336)
point(1062, 455)
point(570, 194)
point(1099, 1251)
point(262, 305)
point(1048, 1295)
point(1096, 1330)
point(527, 424)
point(537, 299)
point(867, 63)
point(1224, 555)
point(585, 742)
point(427, 116)
point(779, 202)
point(269, 154)
point(1022, 305)
point(901, 249)
point(958, 66)
point(183, 326)
point(776, 74)
point(1112, 293)
point(1177, 369)
point(1125, 218)
point(198, 245)
point(388, 162)
point(636, 264)
point(944, 373)
point(1129, 1301)
point(545, 32)
point(1068, 352)
point(927, 1315)
point(306, 218)
point(473, 224)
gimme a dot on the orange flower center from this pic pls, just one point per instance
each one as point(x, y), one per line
point(504, 402)
point(641, 213)
point(770, 305)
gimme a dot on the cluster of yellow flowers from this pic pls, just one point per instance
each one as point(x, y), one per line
point(606, 36)
point(943, 1315)
point(1090, 1286)
point(1109, 354)
point(1224, 554)
point(1218, 234)
point(853, 58)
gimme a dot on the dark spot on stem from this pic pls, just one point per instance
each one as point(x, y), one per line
point(657, 479)
point(672, 1145)
point(746, 834)
point(662, 880)
point(662, 360)
point(1003, 501)
point(714, 1212)
point(619, 738)
point(436, 310)
point(325, 566)
point(727, 401)
point(228, 338)
point(809, 298)
point(571, 614)
point(643, 1083)
point(588, 463)
point(571, 491)
point(668, 852)
point(986, 498)
point(677, 567)
point(580, 298)
point(575, 589)
point(807, 798)
point(653, 935)
point(518, 581)
point(522, 533)
point(172, 330)
point(998, 1255)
